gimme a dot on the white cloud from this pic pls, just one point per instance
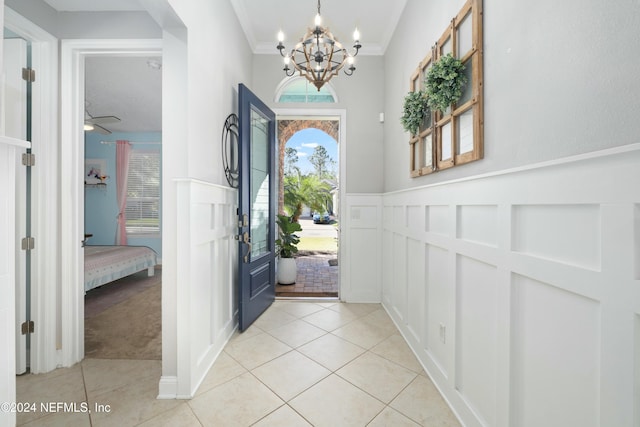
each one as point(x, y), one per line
point(310, 145)
point(302, 154)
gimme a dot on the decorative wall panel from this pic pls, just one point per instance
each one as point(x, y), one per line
point(636, 240)
point(206, 303)
point(438, 219)
point(361, 247)
point(528, 292)
point(415, 287)
point(415, 216)
point(478, 224)
point(400, 282)
point(476, 333)
point(636, 358)
point(555, 345)
point(562, 233)
point(439, 300)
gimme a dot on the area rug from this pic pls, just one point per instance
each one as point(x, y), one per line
point(128, 329)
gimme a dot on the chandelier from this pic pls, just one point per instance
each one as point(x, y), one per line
point(319, 55)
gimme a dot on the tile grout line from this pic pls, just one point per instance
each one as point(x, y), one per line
point(86, 393)
point(369, 350)
point(332, 371)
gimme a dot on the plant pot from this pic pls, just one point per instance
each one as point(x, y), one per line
point(287, 271)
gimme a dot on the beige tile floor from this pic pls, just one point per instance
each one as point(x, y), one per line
point(300, 364)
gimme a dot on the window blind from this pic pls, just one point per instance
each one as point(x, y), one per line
point(143, 193)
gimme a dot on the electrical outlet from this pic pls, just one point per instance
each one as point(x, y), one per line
point(443, 333)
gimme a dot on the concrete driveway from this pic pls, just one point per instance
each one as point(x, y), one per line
point(309, 229)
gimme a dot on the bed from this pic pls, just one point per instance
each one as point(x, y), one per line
point(104, 264)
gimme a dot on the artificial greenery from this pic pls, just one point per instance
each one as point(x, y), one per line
point(444, 82)
point(415, 110)
point(287, 240)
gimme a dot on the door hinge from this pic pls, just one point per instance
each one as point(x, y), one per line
point(28, 243)
point(29, 75)
point(28, 159)
point(243, 221)
point(27, 327)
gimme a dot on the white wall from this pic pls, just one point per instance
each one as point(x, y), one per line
point(361, 248)
point(205, 297)
point(37, 11)
point(560, 79)
point(201, 91)
point(520, 292)
point(88, 25)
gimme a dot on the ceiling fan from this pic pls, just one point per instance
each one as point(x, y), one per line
point(95, 124)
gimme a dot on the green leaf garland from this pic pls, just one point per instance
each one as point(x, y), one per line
point(415, 110)
point(444, 82)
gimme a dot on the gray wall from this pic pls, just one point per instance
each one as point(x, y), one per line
point(561, 78)
point(361, 95)
point(89, 25)
point(218, 59)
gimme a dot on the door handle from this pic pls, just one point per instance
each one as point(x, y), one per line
point(246, 239)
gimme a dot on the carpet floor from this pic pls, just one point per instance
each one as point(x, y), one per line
point(123, 319)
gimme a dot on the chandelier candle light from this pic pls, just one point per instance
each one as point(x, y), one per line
point(319, 55)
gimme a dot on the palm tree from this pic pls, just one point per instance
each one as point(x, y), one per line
point(300, 190)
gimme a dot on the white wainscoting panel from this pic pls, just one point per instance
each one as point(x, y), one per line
point(478, 224)
point(636, 241)
point(361, 248)
point(415, 288)
point(519, 291)
point(400, 283)
point(438, 219)
point(555, 353)
point(476, 335)
point(636, 358)
point(206, 276)
point(439, 316)
point(563, 233)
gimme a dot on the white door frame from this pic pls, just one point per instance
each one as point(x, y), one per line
point(317, 113)
point(14, 125)
point(44, 189)
point(73, 54)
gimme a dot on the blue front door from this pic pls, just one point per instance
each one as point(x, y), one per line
point(256, 207)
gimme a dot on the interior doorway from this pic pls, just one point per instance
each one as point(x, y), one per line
point(73, 115)
point(42, 129)
point(311, 146)
point(122, 206)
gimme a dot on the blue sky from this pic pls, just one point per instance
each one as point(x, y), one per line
point(305, 141)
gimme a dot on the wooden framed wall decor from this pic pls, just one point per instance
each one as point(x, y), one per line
point(455, 136)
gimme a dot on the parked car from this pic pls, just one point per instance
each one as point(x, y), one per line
point(321, 218)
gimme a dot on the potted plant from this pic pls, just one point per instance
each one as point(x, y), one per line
point(444, 82)
point(286, 247)
point(416, 109)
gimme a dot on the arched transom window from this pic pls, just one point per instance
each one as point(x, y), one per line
point(300, 90)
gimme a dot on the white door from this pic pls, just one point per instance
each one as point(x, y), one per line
point(14, 125)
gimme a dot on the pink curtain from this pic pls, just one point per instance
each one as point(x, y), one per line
point(123, 151)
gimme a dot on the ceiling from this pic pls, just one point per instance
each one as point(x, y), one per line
point(128, 88)
point(262, 19)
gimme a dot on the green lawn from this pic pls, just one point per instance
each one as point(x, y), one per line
point(325, 244)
